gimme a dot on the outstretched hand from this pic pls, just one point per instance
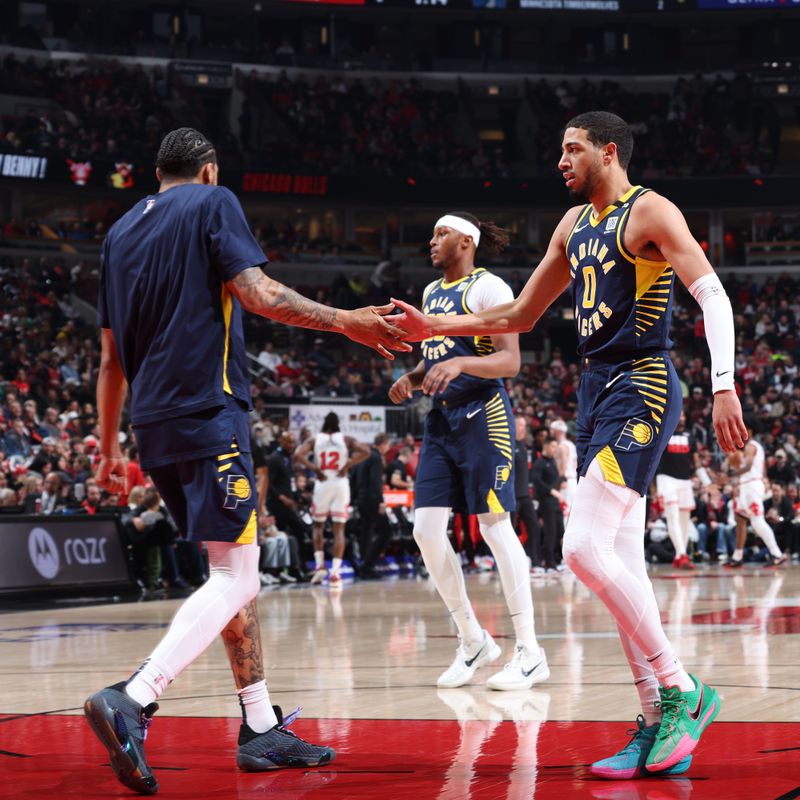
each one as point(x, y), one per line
point(412, 321)
point(373, 327)
point(728, 423)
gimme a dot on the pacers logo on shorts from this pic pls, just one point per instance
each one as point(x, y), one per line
point(636, 432)
point(501, 475)
point(237, 490)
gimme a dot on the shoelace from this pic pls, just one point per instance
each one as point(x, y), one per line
point(288, 720)
point(639, 732)
point(516, 659)
point(670, 708)
point(146, 718)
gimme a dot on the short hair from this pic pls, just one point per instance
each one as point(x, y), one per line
point(331, 423)
point(184, 152)
point(380, 438)
point(603, 127)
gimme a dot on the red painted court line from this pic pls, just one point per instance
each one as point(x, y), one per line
point(400, 760)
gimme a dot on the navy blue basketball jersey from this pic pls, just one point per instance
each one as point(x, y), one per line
point(443, 298)
point(622, 302)
point(177, 328)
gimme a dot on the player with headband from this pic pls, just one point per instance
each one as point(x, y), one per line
point(467, 455)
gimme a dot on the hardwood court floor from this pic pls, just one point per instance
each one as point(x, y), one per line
point(363, 665)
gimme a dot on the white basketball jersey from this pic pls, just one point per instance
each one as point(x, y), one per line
point(756, 471)
point(330, 453)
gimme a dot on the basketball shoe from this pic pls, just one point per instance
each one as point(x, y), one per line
point(684, 717)
point(121, 725)
point(278, 747)
point(335, 581)
point(318, 576)
point(523, 671)
point(630, 761)
point(466, 662)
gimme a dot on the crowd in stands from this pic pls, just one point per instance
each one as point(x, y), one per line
point(48, 367)
point(380, 127)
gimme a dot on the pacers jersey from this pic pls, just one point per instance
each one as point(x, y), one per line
point(474, 292)
point(622, 302)
point(330, 453)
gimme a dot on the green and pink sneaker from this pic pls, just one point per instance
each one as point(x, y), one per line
point(629, 762)
point(685, 715)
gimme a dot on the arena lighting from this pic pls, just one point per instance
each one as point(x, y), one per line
point(759, 181)
point(783, 88)
point(493, 90)
point(487, 184)
point(411, 181)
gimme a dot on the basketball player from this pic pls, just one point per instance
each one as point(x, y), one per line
point(567, 461)
point(620, 250)
point(467, 453)
point(749, 504)
point(176, 271)
point(334, 455)
point(674, 486)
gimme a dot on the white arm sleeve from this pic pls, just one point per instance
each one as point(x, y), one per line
point(487, 292)
point(720, 335)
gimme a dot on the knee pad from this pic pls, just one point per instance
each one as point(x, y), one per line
point(430, 523)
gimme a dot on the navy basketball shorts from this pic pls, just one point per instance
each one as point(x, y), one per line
point(467, 457)
point(627, 412)
point(211, 499)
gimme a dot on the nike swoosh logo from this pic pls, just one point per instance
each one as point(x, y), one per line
point(614, 380)
point(526, 674)
point(581, 228)
point(720, 374)
point(473, 413)
point(696, 713)
point(470, 661)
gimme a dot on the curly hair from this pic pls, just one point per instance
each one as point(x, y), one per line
point(184, 152)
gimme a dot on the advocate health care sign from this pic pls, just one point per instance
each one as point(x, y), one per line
point(361, 422)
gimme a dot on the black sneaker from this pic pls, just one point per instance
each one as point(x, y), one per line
point(278, 748)
point(121, 725)
point(734, 563)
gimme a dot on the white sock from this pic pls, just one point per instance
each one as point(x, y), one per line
point(336, 565)
point(319, 558)
point(738, 555)
point(257, 711)
point(767, 535)
point(444, 567)
point(589, 550)
point(232, 583)
point(685, 517)
point(148, 683)
point(674, 528)
point(509, 557)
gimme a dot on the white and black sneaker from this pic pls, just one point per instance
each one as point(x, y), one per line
point(523, 671)
point(468, 661)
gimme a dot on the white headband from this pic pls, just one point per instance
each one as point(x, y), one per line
point(461, 225)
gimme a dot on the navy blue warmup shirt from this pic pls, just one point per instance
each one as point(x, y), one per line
point(177, 328)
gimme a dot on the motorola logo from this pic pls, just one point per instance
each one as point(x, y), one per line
point(43, 552)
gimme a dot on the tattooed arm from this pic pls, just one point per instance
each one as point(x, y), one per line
point(262, 295)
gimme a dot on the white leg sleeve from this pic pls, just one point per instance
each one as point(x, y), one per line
point(589, 550)
point(512, 566)
point(629, 546)
point(685, 518)
point(673, 516)
point(430, 533)
point(766, 534)
point(232, 583)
